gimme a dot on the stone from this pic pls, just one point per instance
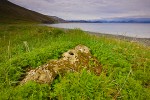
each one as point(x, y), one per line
point(82, 49)
point(70, 56)
point(74, 60)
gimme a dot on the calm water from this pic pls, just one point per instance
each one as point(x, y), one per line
point(139, 30)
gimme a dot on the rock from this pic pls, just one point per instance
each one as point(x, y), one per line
point(82, 49)
point(70, 56)
point(73, 60)
point(41, 75)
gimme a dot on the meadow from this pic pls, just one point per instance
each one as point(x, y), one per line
point(125, 65)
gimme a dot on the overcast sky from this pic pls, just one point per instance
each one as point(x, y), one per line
point(88, 9)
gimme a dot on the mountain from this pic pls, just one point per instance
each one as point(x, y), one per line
point(10, 13)
point(115, 20)
point(125, 20)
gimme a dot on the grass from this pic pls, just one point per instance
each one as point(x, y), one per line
point(125, 74)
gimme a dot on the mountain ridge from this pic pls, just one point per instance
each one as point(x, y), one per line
point(10, 13)
point(115, 20)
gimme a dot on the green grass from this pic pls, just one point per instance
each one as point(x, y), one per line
point(125, 73)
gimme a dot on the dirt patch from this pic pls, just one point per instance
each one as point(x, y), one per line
point(73, 60)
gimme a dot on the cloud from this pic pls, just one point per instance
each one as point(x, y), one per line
point(88, 9)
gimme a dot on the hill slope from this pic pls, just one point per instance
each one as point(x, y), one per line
point(10, 12)
point(125, 65)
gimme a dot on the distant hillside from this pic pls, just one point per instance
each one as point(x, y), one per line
point(10, 13)
point(115, 20)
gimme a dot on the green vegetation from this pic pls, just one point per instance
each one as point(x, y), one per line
point(125, 65)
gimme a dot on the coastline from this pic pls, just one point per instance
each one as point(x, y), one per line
point(143, 41)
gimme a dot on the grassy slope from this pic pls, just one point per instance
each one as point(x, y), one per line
point(125, 75)
point(9, 13)
point(125, 72)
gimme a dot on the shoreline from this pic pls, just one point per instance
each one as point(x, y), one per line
point(143, 41)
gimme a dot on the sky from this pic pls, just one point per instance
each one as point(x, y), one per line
point(88, 9)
